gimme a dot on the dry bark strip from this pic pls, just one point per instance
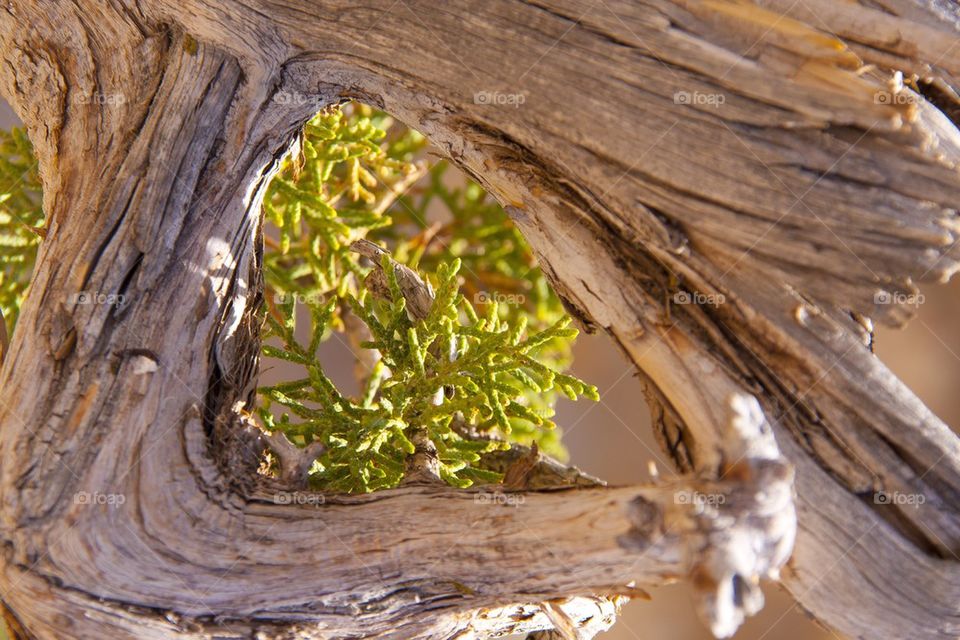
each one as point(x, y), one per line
point(768, 157)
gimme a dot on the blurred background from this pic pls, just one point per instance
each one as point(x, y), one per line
point(612, 439)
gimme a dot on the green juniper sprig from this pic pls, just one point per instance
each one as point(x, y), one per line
point(462, 342)
point(497, 265)
point(450, 366)
point(333, 192)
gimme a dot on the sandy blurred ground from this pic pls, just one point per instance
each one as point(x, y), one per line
point(612, 439)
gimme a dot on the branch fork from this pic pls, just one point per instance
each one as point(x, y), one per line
point(294, 461)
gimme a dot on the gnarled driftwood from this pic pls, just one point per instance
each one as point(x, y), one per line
point(731, 190)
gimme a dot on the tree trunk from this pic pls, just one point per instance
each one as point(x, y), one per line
point(730, 190)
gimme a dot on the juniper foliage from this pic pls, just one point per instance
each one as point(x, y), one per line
point(483, 367)
point(21, 219)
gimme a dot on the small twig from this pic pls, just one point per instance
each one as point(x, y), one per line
point(357, 332)
point(417, 292)
point(546, 473)
point(425, 237)
point(400, 187)
point(518, 473)
point(270, 242)
point(423, 465)
point(294, 462)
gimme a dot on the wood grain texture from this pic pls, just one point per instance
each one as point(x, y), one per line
point(731, 190)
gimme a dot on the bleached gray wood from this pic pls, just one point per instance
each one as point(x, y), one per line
point(818, 183)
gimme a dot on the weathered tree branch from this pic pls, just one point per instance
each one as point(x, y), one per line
point(813, 194)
